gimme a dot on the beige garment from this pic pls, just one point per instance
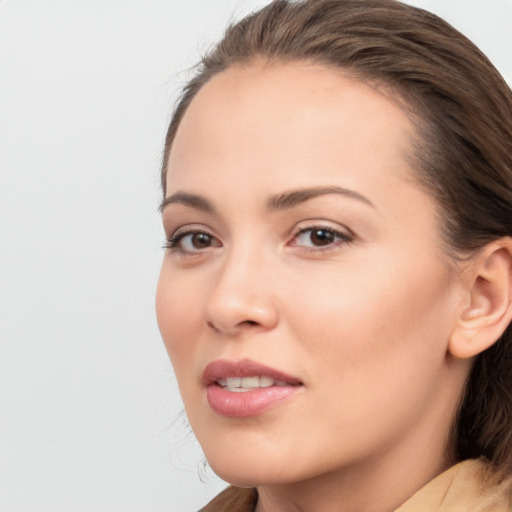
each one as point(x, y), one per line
point(466, 487)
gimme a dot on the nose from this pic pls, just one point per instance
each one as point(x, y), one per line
point(242, 297)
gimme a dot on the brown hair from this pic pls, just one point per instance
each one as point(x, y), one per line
point(462, 109)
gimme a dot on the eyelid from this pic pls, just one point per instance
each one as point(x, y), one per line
point(308, 224)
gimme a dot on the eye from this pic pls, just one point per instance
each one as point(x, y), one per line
point(191, 242)
point(320, 237)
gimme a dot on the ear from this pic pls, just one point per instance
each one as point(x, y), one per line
point(488, 310)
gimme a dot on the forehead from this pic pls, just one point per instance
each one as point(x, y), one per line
point(276, 118)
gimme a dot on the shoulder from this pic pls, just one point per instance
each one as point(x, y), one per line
point(470, 486)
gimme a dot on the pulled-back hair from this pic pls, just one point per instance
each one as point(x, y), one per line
point(462, 154)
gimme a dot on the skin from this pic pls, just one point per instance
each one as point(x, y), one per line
point(364, 322)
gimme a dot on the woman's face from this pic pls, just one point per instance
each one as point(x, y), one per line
point(305, 300)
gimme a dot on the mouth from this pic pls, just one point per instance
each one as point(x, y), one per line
point(246, 388)
point(245, 374)
point(244, 384)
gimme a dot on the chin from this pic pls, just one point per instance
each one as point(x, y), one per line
point(241, 477)
point(246, 464)
point(254, 464)
point(246, 473)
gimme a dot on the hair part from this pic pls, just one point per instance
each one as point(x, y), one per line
point(461, 108)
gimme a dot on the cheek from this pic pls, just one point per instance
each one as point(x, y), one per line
point(376, 348)
point(177, 310)
point(379, 322)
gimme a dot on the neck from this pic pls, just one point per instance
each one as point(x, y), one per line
point(378, 485)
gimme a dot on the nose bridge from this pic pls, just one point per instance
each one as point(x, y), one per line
point(242, 295)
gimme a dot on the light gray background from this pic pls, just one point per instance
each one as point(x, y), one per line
point(89, 409)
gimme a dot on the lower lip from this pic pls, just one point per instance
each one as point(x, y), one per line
point(247, 403)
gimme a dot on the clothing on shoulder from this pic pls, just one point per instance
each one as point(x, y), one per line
point(469, 486)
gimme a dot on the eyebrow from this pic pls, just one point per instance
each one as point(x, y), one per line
point(276, 202)
point(192, 200)
point(295, 197)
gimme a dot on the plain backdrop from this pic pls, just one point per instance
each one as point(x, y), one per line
point(89, 409)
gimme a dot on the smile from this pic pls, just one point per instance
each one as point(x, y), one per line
point(241, 384)
point(246, 388)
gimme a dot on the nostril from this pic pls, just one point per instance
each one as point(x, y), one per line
point(248, 323)
point(211, 326)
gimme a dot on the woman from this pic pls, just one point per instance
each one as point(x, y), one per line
point(336, 295)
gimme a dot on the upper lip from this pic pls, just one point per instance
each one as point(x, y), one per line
point(224, 368)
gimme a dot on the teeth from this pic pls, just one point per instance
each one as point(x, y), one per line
point(250, 382)
point(234, 382)
point(240, 384)
point(266, 382)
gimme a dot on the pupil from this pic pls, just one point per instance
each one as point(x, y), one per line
point(322, 237)
point(200, 240)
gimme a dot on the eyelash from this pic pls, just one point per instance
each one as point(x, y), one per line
point(340, 238)
point(173, 243)
point(343, 238)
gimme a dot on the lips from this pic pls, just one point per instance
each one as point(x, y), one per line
point(246, 388)
point(224, 369)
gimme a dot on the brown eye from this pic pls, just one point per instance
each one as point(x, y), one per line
point(192, 242)
point(321, 237)
point(200, 240)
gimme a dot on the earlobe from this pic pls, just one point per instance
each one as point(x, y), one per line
point(489, 307)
